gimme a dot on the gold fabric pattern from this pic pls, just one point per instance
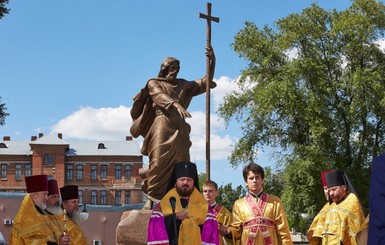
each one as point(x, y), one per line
point(30, 226)
point(274, 211)
point(339, 223)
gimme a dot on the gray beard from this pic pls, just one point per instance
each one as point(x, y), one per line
point(75, 216)
point(56, 210)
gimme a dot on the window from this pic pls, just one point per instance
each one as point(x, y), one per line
point(28, 170)
point(103, 197)
point(49, 160)
point(79, 172)
point(103, 171)
point(117, 198)
point(70, 172)
point(93, 197)
point(118, 171)
point(4, 171)
point(127, 195)
point(18, 172)
point(80, 193)
point(94, 169)
point(127, 171)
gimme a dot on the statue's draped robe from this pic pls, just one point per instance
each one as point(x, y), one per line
point(32, 227)
point(166, 133)
point(224, 217)
point(200, 228)
point(339, 223)
point(272, 218)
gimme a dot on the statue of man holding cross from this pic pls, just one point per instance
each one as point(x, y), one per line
point(159, 112)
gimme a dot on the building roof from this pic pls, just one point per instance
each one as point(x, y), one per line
point(104, 148)
point(75, 148)
point(15, 148)
point(49, 139)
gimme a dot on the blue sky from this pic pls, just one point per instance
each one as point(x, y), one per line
point(73, 66)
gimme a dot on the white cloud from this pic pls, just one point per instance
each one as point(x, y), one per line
point(225, 85)
point(90, 123)
point(381, 43)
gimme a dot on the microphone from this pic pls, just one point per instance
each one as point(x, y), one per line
point(173, 202)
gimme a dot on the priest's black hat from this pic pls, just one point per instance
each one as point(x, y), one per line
point(184, 169)
point(338, 178)
point(69, 192)
point(335, 178)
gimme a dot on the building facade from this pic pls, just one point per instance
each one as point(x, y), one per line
point(107, 172)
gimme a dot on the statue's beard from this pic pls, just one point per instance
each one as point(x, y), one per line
point(171, 77)
point(56, 210)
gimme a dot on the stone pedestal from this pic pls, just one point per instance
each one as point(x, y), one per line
point(132, 228)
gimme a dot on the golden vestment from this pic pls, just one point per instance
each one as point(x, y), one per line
point(340, 223)
point(317, 222)
point(273, 219)
point(77, 236)
point(224, 217)
point(30, 227)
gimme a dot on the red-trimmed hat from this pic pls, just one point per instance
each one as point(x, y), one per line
point(324, 184)
point(69, 192)
point(52, 187)
point(36, 183)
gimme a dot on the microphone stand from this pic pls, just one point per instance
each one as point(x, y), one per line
point(172, 201)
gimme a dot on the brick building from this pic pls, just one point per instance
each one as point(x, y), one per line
point(107, 172)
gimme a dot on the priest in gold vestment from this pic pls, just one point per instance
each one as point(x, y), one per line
point(70, 203)
point(31, 224)
point(258, 218)
point(338, 223)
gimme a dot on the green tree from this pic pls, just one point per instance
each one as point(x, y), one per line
point(3, 9)
point(3, 114)
point(314, 88)
point(228, 195)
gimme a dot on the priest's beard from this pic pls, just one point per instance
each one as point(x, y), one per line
point(75, 216)
point(54, 209)
point(42, 205)
point(184, 190)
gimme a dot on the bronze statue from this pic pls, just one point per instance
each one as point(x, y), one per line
point(158, 114)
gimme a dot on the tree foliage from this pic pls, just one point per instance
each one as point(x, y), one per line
point(314, 88)
point(3, 113)
point(3, 9)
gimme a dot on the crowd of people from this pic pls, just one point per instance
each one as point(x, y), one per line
point(46, 216)
point(185, 215)
point(182, 217)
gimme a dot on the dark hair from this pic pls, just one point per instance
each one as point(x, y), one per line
point(255, 168)
point(212, 183)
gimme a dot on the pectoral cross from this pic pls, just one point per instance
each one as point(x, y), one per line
point(209, 18)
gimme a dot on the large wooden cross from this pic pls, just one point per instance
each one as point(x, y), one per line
point(209, 18)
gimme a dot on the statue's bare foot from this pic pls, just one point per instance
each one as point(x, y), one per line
point(148, 205)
